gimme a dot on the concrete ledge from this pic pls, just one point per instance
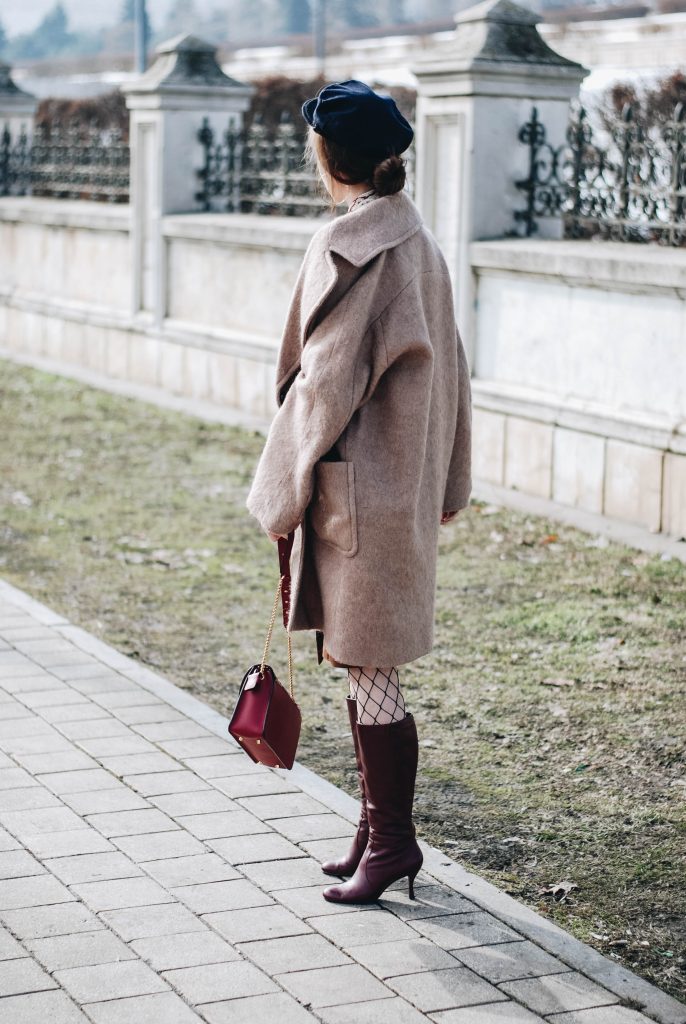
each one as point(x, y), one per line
point(625, 266)
point(66, 213)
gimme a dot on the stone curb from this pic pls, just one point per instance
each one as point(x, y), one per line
point(655, 1003)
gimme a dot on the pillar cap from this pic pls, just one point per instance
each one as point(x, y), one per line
point(496, 33)
point(11, 96)
point(185, 63)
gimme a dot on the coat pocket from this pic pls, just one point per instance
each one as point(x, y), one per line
point(333, 512)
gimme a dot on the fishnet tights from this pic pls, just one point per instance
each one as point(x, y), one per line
point(377, 693)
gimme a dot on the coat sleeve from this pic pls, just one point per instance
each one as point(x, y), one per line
point(341, 363)
point(459, 483)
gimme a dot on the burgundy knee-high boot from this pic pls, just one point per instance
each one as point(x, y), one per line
point(347, 865)
point(389, 763)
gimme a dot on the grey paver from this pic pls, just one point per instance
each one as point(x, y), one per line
point(110, 746)
point(600, 1015)
point(285, 874)
point(32, 891)
point(245, 850)
point(208, 897)
point(103, 724)
point(219, 765)
point(307, 901)
point(159, 845)
point(219, 824)
point(431, 901)
point(381, 1011)
point(140, 764)
point(400, 956)
point(554, 993)
point(160, 919)
point(254, 784)
point(92, 867)
point(41, 820)
point(142, 713)
point(154, 1008)
point(278, 956)
point(508, 961)
point(354, 929)
point(132, 823)
point(185, 949)
point(123, 696)
point(119, 893)
point(203, 867)
point(489, 1013)
point(9, 947)
point(27, 797)
point(63, 714)
point(67, 843)
point(312, 826)
point(158, 782)
point(27, 680)
point(52, 1005)
point(203, 802)
point(329, 986)
point(198, 746)
point(27, 725)
point(16, 863)
point(211, 982)
point(79, 949)
point(181, 729)
point(100, 801)
point(65, 759)
point(256, 923)
point(456, 931)
point(444, 988)
point(44, 698)
point(54, 919)
point(80, 781)
point(282, 805)
point(277, 1006)
point(109, 981)
point(15, 778)
point(21, 975)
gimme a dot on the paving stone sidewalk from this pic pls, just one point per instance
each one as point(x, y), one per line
point(151, 874)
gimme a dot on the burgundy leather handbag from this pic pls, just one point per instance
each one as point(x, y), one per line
point(266, 720)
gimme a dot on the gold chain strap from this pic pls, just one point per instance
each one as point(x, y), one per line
point(269, 639)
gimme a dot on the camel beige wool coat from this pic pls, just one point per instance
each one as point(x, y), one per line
point(371, 440)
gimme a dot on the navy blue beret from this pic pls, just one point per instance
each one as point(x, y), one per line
point(355, 116)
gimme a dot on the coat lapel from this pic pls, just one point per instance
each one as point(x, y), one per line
point(357, 236)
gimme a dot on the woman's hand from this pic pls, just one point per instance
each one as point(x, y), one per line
point(276, 536)
point(447, 517)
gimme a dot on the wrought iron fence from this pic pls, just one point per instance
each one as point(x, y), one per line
point(261, 170)
point(67, 163)
point(634, 190)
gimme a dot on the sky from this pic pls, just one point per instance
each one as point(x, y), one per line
point(24, 15)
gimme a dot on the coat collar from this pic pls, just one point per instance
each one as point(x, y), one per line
point(361, 233)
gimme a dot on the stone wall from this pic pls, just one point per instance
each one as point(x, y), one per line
point(579, 377)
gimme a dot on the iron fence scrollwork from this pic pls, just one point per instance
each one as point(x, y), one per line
point(632, 190)
point(69, 162)
point(258, 169)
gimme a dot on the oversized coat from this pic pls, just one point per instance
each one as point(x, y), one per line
point(371, 440)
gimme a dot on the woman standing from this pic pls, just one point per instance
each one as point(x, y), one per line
point(368, 452)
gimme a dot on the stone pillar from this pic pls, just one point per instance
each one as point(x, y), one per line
point(472, 100)
point(167, 104)
point(17, 107)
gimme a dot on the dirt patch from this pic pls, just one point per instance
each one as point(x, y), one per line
point(551, 712)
